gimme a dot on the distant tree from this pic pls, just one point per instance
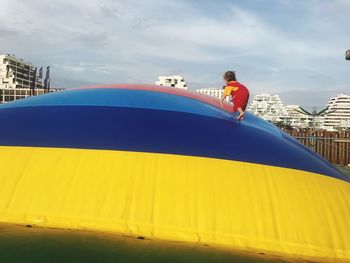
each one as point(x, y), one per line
point(313, 114)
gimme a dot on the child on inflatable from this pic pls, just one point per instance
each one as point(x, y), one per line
point(239, 93)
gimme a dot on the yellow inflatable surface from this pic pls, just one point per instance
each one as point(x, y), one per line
point(182, 173)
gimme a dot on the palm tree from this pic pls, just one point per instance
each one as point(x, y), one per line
point(314, 114)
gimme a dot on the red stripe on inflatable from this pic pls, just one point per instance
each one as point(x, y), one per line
point(176, 91)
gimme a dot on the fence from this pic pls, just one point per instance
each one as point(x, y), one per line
point(333, 146)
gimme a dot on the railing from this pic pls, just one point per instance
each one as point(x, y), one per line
point(333, 146)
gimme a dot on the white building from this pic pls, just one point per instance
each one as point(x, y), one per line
point(293, 117)
point(271, 108)
point(268, 107)
point(215, 92)
point(16, 76)
point(338, 113)
point(175, 81)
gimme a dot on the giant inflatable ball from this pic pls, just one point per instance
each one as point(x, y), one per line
point(166, 163)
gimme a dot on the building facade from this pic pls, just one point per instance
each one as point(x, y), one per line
point(294, 118)
point(215, 92)
point(271, 108)
point(268, 107)
point(175, 81)
point(338, 113)
point(16, 78)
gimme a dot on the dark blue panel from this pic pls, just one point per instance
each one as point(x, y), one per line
point(144, 99)
point(158, 131)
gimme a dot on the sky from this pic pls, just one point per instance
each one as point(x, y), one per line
point(293, 48)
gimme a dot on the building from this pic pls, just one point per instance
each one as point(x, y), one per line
point(271, 108)
point(175, 81)
point(338, 113)
point(215, 92)
point(16, 77)
point(268, 107)
point(295, 118)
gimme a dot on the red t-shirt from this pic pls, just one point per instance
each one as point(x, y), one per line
point(239, 93)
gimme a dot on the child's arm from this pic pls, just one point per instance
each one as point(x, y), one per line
point(227, 92)
point(223, 98)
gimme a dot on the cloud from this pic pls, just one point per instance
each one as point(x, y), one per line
point(285, 47)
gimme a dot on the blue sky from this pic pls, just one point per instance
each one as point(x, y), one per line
point(292, 48)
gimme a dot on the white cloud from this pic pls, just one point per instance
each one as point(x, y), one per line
point(101, 41)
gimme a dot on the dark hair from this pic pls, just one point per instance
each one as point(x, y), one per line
point(230, 76)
